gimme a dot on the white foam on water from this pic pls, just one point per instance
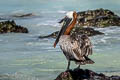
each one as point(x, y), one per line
point(18, 11)
point(50, 70)
point(18, 76)
point(62, 11)
point(49, 23)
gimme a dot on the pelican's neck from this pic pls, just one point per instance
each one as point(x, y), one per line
point(70, 27)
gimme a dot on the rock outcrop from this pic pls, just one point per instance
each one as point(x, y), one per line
point(80, 74)
point(10, 26)
point(78, 30)
point(52, 35)
point(98, 18)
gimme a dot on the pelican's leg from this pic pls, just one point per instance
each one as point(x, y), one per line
point(78, 66)
point(68, 65)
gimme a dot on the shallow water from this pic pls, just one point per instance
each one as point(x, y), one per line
point(25, 57)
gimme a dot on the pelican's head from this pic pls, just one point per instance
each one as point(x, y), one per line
point(70, 16)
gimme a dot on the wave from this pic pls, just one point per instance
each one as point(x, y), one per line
point(53, 23)
point(110, 29)
point(110, 73)
point(18, 11)
point(61, 11)
point(17, 76)
point(107, 41)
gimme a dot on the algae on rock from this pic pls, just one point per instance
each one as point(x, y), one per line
point(10, 26)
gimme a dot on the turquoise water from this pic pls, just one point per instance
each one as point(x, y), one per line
point(25, 57)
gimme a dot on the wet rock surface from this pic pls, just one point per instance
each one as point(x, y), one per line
point(78, 30)
point(10, 26)
point(80, 74)
point(52, 35)
point(98, 18)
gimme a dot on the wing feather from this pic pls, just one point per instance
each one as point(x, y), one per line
point(84, 46)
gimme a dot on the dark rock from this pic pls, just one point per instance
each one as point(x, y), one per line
point(52, 35)
point(23, 15)
point(98, 18)
point(80, 74)
point(87, 31)
point(10, 26)
point(78, 30)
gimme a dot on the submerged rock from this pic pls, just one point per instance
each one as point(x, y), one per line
point(98, 18)
point(80, 74)
point(10, 26)
point(24, 15)
point(78, 30)
point(52, 35)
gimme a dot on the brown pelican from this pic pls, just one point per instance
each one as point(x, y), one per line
point(76, 47)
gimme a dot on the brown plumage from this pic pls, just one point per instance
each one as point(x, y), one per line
point(75, 47)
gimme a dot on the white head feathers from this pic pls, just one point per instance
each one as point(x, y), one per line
point(70, 14)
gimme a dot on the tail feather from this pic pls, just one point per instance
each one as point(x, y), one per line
point(86, 61)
